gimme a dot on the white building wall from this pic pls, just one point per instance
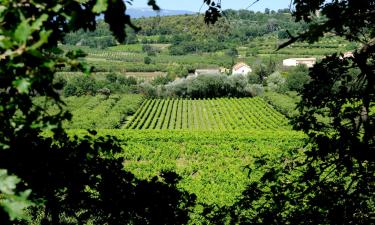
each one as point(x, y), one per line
point(309, 62)
point(290, 62)
point(244, 70)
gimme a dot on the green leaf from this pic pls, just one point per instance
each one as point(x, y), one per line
point(57, 8)
point(100, 6)
point(2, 9)
point(37, 24)
point(15, 209)
point(23, 31)
point(13, 204)
point(22, 85)
point(44, 35)
point(7, 183)
point(5, 42)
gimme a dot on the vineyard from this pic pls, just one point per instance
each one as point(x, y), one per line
point(211, 163)
point(96, 112)
point(207, 114)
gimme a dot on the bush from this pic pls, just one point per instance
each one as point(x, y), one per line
point(237, 86)
point(128, 81)
point(253, 78)
point(254, 89)
point(151, 51)
point(59, 83)
point(232, 52)
point(177, 71)
point(161, 80)
point(207, 86)
point(297, 78)
point(148, 90)
point(276, 82)
point(104, 91)
point(261, 72)
point(70, 90)
point(147, 60)
point(111, 78)
point(81, 85)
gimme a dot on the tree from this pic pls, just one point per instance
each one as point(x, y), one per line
point(232, 52)
point(276, 82)
point(332, 180)
point(260, 71)
point(297, 78)
point(72, 179)
point(111, 77)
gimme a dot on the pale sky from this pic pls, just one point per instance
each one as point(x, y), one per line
point(194, 5)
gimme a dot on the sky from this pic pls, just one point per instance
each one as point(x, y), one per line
point(194, 5)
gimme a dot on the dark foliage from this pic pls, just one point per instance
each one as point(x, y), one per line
point(78, 180)
point(297, 78)
point(331, 180)
point(73, 180)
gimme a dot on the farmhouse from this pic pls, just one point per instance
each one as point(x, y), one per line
point(241, 68)
point(309, 62)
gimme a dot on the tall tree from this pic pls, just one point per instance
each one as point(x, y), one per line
point(332, 180)
point(73, 180)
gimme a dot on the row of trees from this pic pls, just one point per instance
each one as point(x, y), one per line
point(263, 78)
point(85, 85)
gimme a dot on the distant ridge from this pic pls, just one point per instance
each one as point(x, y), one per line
point(147, 12)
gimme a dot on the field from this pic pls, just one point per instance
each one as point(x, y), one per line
point(212, 164)
point(129, 59)
point(207, 114)
point(134, 112)
point(100, 76)
point(209, 143)
point(97, 112)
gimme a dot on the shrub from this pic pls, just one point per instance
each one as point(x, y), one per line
point(237, 85)
point(81, 85)
point(276, 82)
point(104, 91)
point(254, 89)
point(232, 52)
point(208, 86)
point(147, 60)
point(261, 72)
point(70, 90)
point(297, 78)
point(253, 78)
point(128, 81)
point(111, 78)
point(177, 71)
point(59, 83)
point(148, 90)
point(161, 80)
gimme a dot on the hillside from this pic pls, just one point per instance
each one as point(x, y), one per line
point(147, 12)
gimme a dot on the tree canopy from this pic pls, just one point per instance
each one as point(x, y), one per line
point(332, 182)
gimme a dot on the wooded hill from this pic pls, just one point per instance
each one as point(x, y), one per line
point(235, 27)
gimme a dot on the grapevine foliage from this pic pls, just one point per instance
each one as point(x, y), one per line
point(207, 114)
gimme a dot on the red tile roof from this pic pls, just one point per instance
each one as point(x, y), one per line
point(239, 65)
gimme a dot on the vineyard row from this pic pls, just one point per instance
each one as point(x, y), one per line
point(207, 114)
